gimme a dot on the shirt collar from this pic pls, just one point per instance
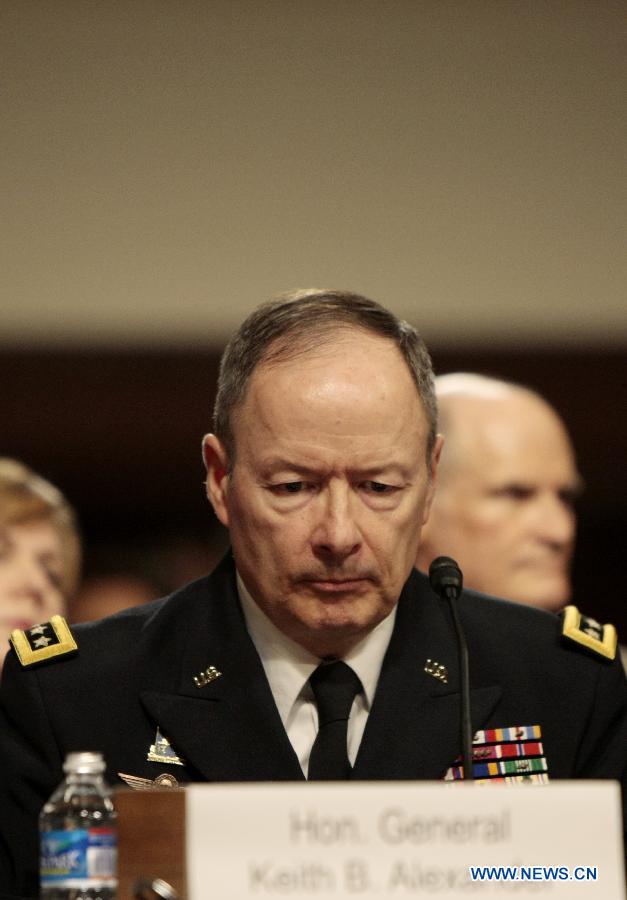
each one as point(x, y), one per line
point(288, 665)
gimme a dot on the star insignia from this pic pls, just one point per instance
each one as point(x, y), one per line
point(55, 639)
point(42, 642)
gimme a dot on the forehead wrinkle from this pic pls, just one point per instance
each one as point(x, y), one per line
point(335, 453)
point(306, 460)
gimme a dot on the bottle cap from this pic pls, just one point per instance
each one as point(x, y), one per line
point(86, 763)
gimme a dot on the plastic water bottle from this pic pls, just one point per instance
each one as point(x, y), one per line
point(78, 837)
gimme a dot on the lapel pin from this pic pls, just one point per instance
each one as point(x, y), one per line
point(437, 670)
point(162, 752)
point(206, 677)
point(165, 780)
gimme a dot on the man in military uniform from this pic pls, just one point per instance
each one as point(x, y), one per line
point(314, 650)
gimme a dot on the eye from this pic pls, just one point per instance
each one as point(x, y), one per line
point(289, 487)
point(52, 569)
point(518, 492)
point(54, 577)
point(293, 487)
point(377, 487)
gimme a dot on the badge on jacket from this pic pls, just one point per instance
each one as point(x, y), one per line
point(512, 755)
point(600, 639)
point(43, 642)
point(163, 752)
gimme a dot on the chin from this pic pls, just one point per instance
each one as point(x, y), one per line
point(336, 622)
point(331, 641)
point(333, 632)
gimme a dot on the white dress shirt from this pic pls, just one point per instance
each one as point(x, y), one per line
point(288, 666)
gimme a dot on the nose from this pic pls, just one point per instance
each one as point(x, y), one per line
point(336, 535)
point(556, 522)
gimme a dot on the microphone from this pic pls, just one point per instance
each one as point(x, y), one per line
point(446, 577)
point(447, 581)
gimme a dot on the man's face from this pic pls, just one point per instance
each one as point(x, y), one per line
point(329, 489)
point(504, 508)
point(30, 577)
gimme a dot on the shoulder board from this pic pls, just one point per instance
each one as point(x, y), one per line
point(601, 639)
point(43, 642)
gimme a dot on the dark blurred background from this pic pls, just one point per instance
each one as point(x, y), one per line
point(166, 166)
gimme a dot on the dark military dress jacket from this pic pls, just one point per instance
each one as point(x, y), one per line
point(175, 688)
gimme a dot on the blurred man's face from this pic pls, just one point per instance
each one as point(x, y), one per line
point(31, 560)
point(329, 489)
point(504, 507)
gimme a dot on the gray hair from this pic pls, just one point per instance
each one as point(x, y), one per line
point(307, 317)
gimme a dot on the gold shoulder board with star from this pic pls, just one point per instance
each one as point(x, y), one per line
point(601, 639)
point(43, 642)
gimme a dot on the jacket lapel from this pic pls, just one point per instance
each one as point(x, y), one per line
point(413, 729)
point(229, 729)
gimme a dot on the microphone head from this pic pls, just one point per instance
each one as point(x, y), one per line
point(446, 577)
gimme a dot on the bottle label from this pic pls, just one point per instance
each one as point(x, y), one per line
point(81, 855)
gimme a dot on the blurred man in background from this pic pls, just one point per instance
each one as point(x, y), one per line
point(39, 550)
point(507, 483)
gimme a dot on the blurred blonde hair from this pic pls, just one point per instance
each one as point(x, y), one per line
point(26, 497)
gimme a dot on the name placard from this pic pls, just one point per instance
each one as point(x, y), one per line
point(404, 839)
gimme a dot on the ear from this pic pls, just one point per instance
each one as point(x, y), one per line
point(433, 474)
point(216, 464)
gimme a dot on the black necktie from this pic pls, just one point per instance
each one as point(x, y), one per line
point(335, 686)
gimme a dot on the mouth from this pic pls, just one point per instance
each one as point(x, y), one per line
point(337, 585)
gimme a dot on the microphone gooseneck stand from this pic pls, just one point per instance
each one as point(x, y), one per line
point(447, 581)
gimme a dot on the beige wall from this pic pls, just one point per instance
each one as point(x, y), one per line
point(168, 164)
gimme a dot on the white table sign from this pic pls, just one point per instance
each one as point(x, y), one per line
point(404, 839)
